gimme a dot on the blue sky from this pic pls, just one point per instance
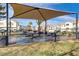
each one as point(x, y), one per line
point(68, 7)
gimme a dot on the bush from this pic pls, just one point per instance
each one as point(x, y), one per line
point(64, 32)
point(69, 34)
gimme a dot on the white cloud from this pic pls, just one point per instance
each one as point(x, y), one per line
point(67, 18)
point(61, 19)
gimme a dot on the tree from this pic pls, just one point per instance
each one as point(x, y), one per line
point(29, 26)
point(2, 13)
point(2, 8)
point(39, 23)
point(30, 23)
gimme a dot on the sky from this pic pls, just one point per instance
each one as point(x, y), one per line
point(68, 7)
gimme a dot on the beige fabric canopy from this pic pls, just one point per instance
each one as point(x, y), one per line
point(29, 12)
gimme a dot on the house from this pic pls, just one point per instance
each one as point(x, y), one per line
point(14, 25)
point(49, 28)
point(53, 27)
point(69, 26)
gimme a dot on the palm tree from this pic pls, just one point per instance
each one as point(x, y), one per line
point(39, 23)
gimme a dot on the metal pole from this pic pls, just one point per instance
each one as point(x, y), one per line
point(38, 28)
point(76, 25)
point(44, 19)
point(45, 27)
point(7, 24)
point(10, 27)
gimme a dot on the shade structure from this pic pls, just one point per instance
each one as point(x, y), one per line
point(24, 11)
point(29, 12)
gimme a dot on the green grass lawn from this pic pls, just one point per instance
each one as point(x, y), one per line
point(60, 48)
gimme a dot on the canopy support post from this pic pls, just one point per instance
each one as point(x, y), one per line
point(7, 25)
point(38, 28)
point(10, 26)
point(45, 27)
point(45, 21)
point(76, 25)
